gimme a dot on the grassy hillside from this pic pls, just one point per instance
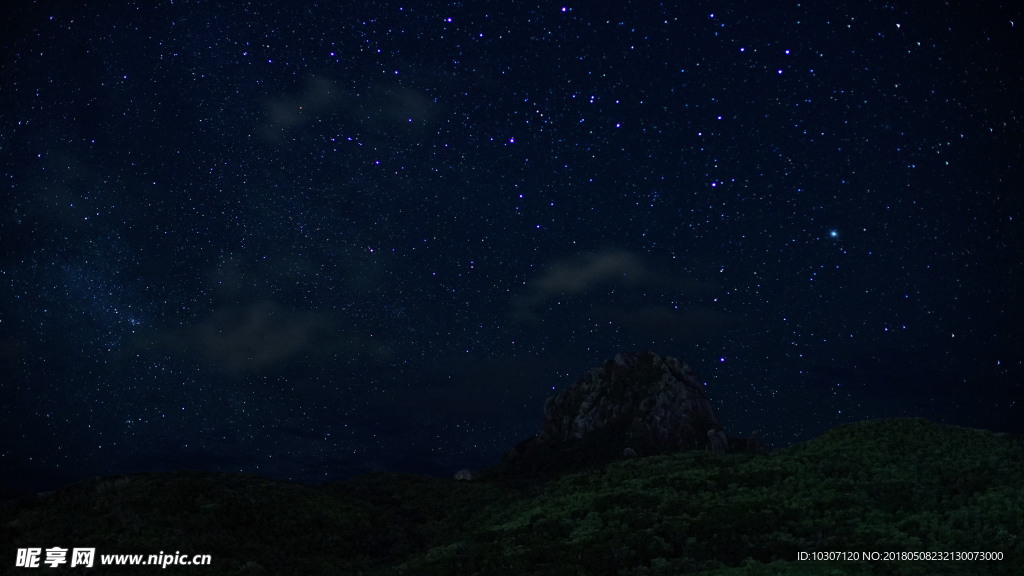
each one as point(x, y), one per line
point(878, 486)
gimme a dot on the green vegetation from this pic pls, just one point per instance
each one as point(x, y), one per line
point(882, 486)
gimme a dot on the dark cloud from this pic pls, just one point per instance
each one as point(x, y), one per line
point(238, 278)
point(403, 106)
point(252, 337)
point(382, 107)
point(588, 273)
point(287, 112)
point(577, 275)
point(255, 336)
point(584, 272)
point(265, 336)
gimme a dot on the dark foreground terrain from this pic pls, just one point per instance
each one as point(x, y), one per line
point(896, 485)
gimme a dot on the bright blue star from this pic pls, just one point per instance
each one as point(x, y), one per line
point(833, 234)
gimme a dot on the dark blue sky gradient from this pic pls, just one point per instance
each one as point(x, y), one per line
point(314, 241)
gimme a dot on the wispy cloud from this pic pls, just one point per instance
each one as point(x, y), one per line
point(382, 107)
point(594, 280)
point(254, 337)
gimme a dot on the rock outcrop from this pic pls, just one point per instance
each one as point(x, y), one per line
point(718, 441)
point(755, 444)
point(635, 404)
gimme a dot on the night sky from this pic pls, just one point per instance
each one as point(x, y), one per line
point(309, 241)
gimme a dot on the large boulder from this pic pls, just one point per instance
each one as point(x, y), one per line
point(637, 401)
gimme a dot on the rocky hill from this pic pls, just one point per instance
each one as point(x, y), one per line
point(634, 405)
